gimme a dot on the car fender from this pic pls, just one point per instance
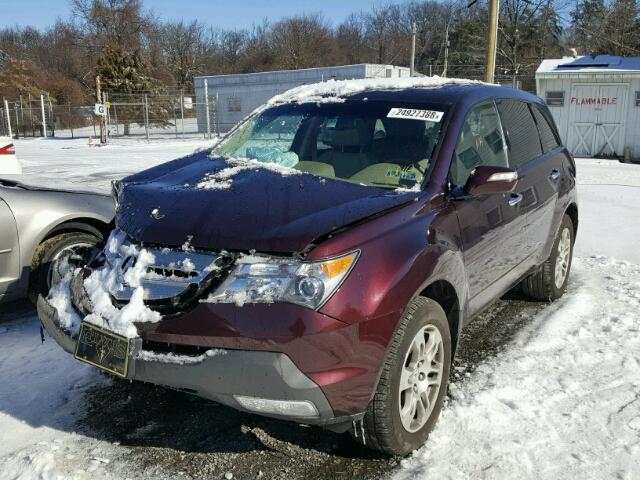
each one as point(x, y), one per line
point(38, 213)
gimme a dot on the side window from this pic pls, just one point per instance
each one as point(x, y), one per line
point(520, 131)
point(547, 137)
point(480, 143)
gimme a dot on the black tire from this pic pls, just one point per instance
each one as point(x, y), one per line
point(382, 423)
point(542, 284)
point(51, 249)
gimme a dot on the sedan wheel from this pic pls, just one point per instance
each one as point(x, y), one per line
point(76, 247)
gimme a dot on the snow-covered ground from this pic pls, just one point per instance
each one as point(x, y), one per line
point(560, 401)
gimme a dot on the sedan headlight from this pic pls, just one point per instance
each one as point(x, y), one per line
point(262, 279)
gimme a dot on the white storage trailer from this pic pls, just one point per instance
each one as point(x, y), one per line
point(595, 101)
point(233, 97)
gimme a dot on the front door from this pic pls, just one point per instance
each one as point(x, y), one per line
point(491, 229)
point(597, 114)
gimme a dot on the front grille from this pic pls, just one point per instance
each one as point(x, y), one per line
point(172, 274)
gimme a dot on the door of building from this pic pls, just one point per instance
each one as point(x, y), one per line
point(597, 119)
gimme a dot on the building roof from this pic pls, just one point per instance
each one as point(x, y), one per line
point(599, 64)
point(304, 71)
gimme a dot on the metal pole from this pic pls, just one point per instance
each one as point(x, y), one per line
point(146, 116)
point(215, 116)
point(6, 109)
point(206, 107)
point(106, 118)
point(70, 120)
point(492, 40)
point(412, 65)
point(17, 122)
point(175, 117)
point(446, 50)
point(182, 110)
point(99, 100)
point(53, 122)
point(44, 120)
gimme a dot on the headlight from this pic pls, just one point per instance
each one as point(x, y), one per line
point(258, 279)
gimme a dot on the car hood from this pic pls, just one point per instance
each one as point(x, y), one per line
point(247, 205)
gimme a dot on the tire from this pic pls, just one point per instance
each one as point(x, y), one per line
point(81, 245)
point(544, 285)
point(383, 426)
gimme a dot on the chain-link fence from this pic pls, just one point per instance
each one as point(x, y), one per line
point(169, 115)
point(140, 115)
point(27, 117)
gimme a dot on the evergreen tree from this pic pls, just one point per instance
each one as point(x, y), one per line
point(122, 75)
point(588, 22)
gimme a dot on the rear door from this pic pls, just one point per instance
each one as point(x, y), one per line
point(535, 154)
point(9, 250)
point(491, 229)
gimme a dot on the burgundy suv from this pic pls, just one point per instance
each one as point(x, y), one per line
point(320, 262)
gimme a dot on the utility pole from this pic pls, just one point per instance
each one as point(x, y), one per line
point(412, 65)
point(446, 50)
point(99, 100)
point(492, 41)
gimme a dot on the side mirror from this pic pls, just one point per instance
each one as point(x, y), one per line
point(487, 179)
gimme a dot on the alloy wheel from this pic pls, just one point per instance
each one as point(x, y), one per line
point(421, 378)
point(563, 258)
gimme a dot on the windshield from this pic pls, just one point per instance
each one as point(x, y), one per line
point(378, 144)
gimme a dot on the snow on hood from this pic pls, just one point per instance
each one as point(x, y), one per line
point(222, 179)
point(336, 90)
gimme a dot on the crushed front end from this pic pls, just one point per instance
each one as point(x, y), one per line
point(245, 330)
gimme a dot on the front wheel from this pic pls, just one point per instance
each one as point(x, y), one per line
point(413, 382)
point(550, 282)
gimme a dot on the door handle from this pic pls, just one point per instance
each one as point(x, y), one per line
point(555, 174)
point(515, 198)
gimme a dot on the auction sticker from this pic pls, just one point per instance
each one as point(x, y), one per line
point(414, 114)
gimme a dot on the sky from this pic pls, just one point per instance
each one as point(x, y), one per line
point(227, 13)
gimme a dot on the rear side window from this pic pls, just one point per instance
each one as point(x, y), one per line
point(547, 137)
point(520, 131)
point(480, 143)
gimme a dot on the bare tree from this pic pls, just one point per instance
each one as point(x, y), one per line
point(184, 48)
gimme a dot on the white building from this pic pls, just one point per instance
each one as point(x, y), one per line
point(233, 97)
point(595, 102)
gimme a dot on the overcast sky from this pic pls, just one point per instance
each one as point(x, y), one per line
point(224, 13)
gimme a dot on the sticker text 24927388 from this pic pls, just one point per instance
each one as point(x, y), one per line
point(415, 114)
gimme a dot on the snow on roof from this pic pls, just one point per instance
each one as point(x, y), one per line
point(589, 64)
point(336, 90)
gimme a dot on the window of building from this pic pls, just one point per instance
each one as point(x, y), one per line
point(481, 142)
point(555, 99)
point(520, 131)
point(234, 104)
point(547, 133)
point(637, 99)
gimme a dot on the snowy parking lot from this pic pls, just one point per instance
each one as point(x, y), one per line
point(538, 390)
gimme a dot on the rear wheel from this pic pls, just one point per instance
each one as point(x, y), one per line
point(413, 382)
point(75, 247)
point(550, 282)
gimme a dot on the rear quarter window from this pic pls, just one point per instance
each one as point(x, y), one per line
point(547, 136)
point(520, 131)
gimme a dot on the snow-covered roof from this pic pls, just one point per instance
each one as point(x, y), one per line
point(336, 90)
point(589, 64)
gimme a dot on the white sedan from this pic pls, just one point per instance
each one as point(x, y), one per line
point(9, 163)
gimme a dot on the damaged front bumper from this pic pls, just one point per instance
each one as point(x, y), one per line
point(266, 383)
